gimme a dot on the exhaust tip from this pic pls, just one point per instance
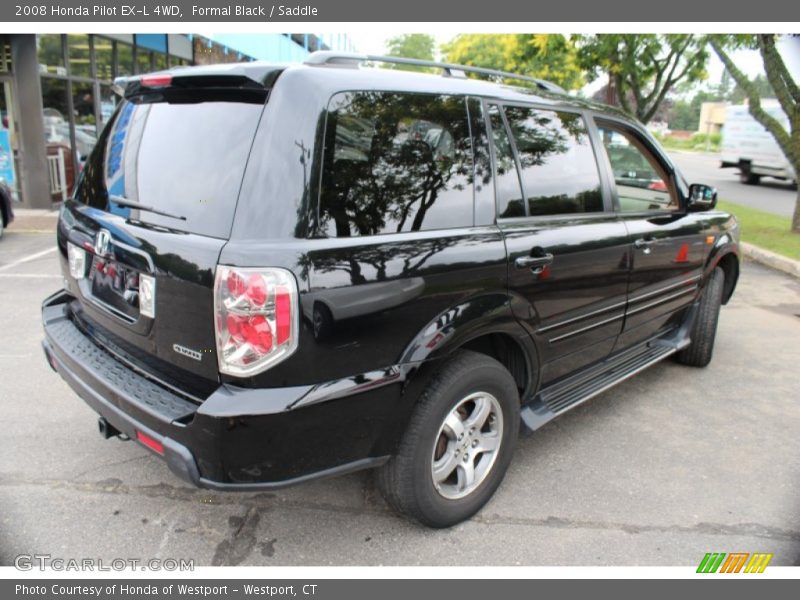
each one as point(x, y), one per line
point(106, 429)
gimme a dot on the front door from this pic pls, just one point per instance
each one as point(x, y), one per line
point(567, 252)
point(668, 244)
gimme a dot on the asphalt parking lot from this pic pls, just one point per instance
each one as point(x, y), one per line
point(669, 465)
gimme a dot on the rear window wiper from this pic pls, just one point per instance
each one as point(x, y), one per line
point(133, 204)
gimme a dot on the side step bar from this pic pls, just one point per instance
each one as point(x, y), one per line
point(568, 393)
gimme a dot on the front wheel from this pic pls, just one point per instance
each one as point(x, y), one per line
point(458, 444)
point(704, 328)
point(748, 178)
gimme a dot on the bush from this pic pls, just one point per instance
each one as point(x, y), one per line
point(715, 138)
point(696, 142)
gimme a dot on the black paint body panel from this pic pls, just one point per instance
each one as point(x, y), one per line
point(393, 306)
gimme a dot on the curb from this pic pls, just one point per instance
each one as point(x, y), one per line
point(771, 259)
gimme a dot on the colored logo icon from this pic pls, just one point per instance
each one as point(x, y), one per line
point(734, 562)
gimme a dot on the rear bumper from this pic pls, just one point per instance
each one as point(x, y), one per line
point(237, 439)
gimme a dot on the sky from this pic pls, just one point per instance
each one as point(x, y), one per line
point(373, 42)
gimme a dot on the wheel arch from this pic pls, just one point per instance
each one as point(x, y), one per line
point(727, 258)
point(483, 324)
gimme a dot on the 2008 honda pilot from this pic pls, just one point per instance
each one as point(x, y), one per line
point(276, 273)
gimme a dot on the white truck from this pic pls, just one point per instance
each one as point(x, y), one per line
point(748, 146)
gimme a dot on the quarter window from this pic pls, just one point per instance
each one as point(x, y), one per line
point(642, 183)
point(558, 168)
point(510, 202)
point(396, 162)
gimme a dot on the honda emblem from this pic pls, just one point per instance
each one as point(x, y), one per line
point(101, 242)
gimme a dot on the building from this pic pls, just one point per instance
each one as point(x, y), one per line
point(56, 92)
point(712, 117)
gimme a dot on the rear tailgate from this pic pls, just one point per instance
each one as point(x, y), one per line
point(149, 218)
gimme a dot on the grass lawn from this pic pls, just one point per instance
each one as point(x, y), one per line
point(765, 229)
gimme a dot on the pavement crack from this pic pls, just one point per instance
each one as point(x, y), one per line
point(738, 529)
point(111, 464)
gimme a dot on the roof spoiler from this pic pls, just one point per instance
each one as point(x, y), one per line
point(240, 76)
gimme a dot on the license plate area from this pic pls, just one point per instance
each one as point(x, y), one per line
point(115, 286)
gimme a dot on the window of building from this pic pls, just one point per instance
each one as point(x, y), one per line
point(79, 55)
point(558, 168)
point(124, 59)
point(50, 54)
point(160, 61)
point(642, 183)
point(104, 58)
point(144, 61)
point(108, 102)
point(396, 162)
point(83, 108)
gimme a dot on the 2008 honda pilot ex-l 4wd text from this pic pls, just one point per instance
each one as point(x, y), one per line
point(277, 273)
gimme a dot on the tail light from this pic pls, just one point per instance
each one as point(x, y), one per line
point(155, 81)
point(256, 318)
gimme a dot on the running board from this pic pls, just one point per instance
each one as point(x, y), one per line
point(568, 393)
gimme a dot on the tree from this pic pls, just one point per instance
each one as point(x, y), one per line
point(643, 68)
point(761, 83)
point(786, 91)
point(410, 45)
point(683, 116)
point(545, 56)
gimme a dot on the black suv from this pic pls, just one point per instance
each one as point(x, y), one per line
point(274, 274)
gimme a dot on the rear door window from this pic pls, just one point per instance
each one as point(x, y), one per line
point(558, 168)
point(395, 162)
point(185, 159)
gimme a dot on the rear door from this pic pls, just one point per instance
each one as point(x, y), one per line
point(668, 244)
point(150, 215)
point(397, 261)
point(567, 251)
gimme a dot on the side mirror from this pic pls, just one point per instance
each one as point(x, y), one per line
point(702, 197)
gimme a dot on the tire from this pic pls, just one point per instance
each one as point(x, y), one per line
point(322, 321)
point(748, 178)
point(469, 382)
point(704, 329)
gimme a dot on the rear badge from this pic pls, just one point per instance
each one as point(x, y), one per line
point(187, 352)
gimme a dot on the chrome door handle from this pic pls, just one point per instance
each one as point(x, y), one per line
point(643, 243)
point(535, 263)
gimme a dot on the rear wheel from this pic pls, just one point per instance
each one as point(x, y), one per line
point(458, 444)
point(704, 329)
point(323, 321)
point(748, 178)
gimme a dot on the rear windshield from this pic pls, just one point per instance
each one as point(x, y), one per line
point(183, 159)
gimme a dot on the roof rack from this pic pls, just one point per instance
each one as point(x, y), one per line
point(352, 60)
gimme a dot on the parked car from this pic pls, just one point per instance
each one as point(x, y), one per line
point(6, 207)
point(481, 258)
